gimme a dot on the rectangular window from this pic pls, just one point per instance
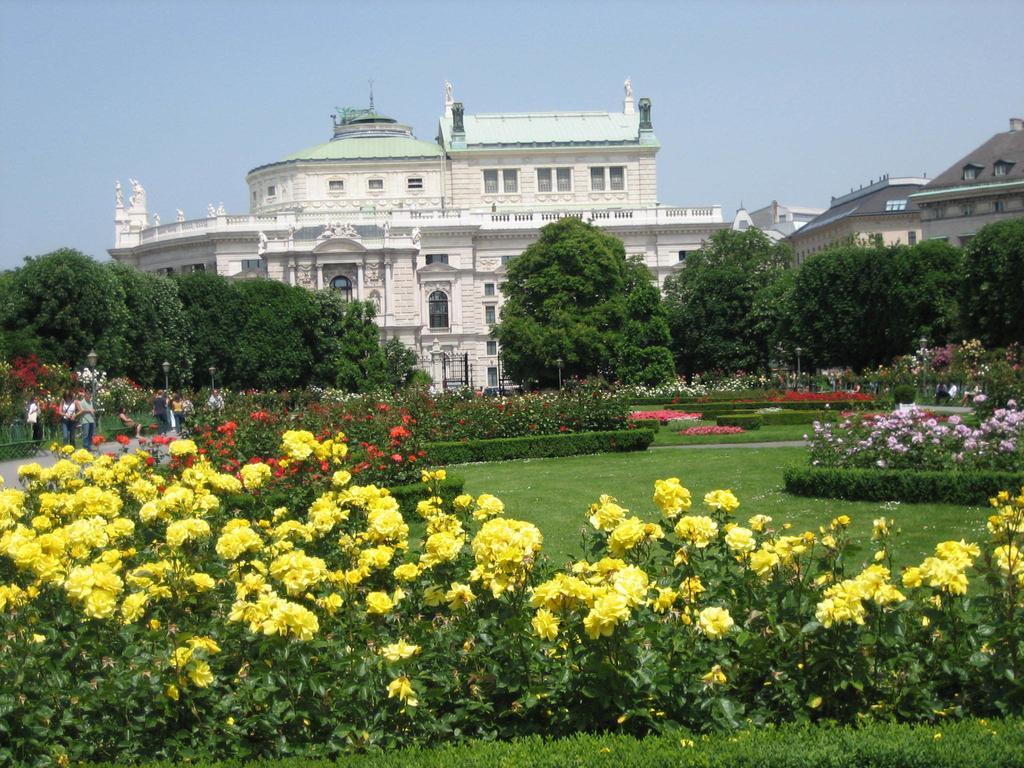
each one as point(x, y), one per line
point(488, 289)
point(511, 179)
point(336, 185)
point(492, 376)
point(492, 348)
point(597, 179)
point(682, 255)
point(892, 206)
point(617, 178)
point(911, 237)
point(490, 182)
point(375, 185)
point(543, 179)
point(998, 206)
point(507, 259)
point(489, 314)
point(564, 179)
point(1000, 169)
point(194, 268)
point(437, 258)
point(252, 264)
point(970, 172)
point(966, 210)
point(271, 190)
point(415, 182)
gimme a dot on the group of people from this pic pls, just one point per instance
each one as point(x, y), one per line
point(78, 415)
point(946, 393)
point(76, 412)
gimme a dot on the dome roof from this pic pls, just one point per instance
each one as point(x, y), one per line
point(367, 135)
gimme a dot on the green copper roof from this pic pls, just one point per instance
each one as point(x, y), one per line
point(369, 148)
point(568, 129)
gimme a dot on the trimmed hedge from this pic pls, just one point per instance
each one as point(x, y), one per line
point(710, 410)
point(786, 417)
point(745, 420)
point(904, 393)
point(907, 485)
point(997, 743)
point(654, 424)
point(539, 446)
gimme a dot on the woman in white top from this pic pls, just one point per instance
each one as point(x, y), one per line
point(68, 417)
point(34, 417)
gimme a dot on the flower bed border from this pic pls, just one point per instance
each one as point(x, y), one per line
point(907, 485)
point(538, 446)
point(996, 743)
point(710, 410)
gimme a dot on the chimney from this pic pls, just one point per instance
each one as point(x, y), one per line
point(1016, 124)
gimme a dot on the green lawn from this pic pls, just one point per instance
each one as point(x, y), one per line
point(555, 494)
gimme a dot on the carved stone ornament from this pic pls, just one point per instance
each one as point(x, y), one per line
point(438, 285)
point(305, 275)
point(489, 264)
point(373, 273)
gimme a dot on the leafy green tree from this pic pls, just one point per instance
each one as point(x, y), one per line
point(644, 357)
point(925, 293)
point(993, 284)
point(158, 330)
point(568, 299)
point(399, 363)
point(721, 305)
point(272, 345)
point(346, 346)
point(71, 305)
point(213, 314)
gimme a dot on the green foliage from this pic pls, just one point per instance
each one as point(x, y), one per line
point(213, 312)
point(708, 410)
point(959, 744)
point(654, 424)
point(906, 485)
point(993, 284)
point(862, 305)
point(727, 307)
point(346, 344)
point(70, 304)
point(538, 446)
point(904, 393)
point(408, 496)
point(569, 297)
point(789, 416)
point(158, 330)
point(747, 421)
point(272, 341)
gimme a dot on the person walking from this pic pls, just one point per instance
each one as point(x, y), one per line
point(177, 406)
point(68, 414)
point(160, 411)
point(34, 418)
point(87, 418)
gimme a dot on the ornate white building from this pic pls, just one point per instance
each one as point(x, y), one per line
point(424, 229)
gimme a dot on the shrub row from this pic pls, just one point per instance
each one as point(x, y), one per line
point(408, 496)
point(710, 410)
point(654, 424)
point(908, 485)
point(539, 446)
point(990, 743)
point(745, 420)
point(782, 418)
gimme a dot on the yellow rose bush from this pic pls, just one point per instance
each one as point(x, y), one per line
point(176, 611)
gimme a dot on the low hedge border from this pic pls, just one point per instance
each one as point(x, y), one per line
point(713, 409)
point(908, 485)
point(786, 417)
point(654, 424)
point(996, 743)
point(746, 420)
point(538, 446)
point(408, 496)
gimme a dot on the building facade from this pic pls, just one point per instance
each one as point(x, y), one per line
point(984, 186)
point(779, 221)
point(883, 209)
point(425, 230)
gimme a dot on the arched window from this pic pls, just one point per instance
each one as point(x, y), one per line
point(343, 285)
point(438, 307)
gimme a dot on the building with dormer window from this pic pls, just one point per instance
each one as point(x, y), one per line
point(985, 186)
point(425, 230)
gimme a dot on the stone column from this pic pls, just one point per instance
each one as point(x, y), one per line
point(386, 301)
point(319, 274)
point(359, 280)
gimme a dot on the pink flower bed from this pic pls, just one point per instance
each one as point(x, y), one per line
point(665, 415)
point(712, 431)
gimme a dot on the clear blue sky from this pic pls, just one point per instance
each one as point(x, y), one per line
point(796, 101)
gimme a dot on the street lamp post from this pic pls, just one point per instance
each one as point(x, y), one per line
point(92, 357)
point(213, 381)
point(167, 369)
point(559, 362)
point(799, 351)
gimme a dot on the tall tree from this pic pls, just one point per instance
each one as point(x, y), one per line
point(719, 305)
point(567, 299)
point(71, 305)
point(272, 344)
point(993, 284)
point(213, 313)
point(158, 329)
